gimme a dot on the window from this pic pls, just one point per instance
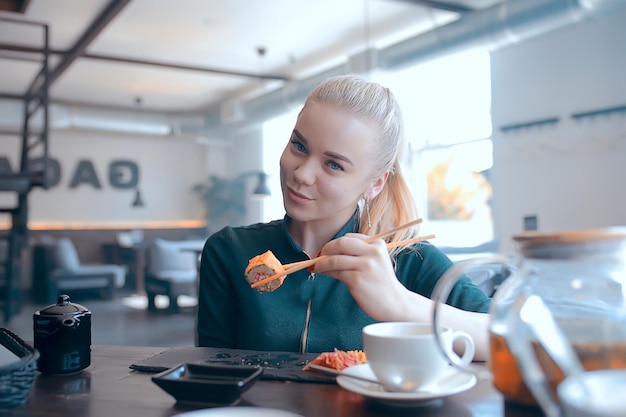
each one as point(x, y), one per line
point(276, 134)
point(456, 204)
point(446, 107)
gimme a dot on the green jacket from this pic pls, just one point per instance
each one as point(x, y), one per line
point(309, 312)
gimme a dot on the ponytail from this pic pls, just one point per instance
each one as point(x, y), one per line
point(392, 207)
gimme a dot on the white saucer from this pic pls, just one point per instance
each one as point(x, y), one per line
point(453, 382)
point(239, 412)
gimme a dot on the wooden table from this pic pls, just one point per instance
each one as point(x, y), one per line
point(108, 388)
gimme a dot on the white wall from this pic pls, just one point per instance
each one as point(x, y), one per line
point(571, 174)
point(168, 168)
point(246, 155)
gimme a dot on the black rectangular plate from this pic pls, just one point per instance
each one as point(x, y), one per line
point(282, 366)
point(207, 383)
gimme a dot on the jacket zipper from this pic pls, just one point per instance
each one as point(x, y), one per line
point(305, 332)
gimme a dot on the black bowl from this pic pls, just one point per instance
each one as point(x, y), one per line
point(206, 383)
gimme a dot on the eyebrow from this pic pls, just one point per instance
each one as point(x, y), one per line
point(329, 154)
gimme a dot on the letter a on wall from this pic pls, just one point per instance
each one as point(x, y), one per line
point(85, 174)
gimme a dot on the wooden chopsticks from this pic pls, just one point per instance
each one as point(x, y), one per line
point(394, 230)
point(297, 266)
point(304, 264)
point(409, 241)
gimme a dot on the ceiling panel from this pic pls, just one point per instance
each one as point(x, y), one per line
point(298, 38)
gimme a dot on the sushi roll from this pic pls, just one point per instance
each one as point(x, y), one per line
point(263, 266)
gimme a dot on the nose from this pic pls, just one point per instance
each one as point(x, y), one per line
point(305, 173)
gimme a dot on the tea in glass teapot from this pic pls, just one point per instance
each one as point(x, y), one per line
point(580, 276)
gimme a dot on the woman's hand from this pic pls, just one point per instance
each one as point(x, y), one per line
point(368, 272)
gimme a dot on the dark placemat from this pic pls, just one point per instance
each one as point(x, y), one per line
point(283, 366)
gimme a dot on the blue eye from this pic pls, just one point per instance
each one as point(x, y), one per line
point(335, 166)
point(298, 145)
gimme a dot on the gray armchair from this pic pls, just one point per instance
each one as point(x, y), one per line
point(70, 274)
point(172, 271)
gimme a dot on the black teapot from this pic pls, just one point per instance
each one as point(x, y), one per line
point(63, 337)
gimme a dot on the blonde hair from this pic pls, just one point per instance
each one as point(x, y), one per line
point(376, 105)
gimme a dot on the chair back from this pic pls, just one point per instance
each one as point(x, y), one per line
point(66, 256)
point(167, 255)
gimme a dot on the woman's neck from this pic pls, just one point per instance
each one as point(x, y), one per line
point(313, 235)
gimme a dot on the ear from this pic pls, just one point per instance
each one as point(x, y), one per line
point(377, 186)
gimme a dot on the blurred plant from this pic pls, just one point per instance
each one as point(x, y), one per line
point(224, 202)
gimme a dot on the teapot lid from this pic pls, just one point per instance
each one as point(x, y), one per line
point(63, 307)
point(571, 236)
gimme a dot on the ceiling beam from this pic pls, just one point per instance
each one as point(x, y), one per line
point(187, 67)
point(20, 49)
point(108, 14)
point(11, 96)
point(441, 5)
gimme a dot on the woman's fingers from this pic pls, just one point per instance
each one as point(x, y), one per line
point(351, 256)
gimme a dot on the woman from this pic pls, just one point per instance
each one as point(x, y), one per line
point(341, 181)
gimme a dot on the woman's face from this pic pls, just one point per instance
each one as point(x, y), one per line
point(326, 167)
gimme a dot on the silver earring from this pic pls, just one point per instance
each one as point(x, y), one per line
point(367, 210)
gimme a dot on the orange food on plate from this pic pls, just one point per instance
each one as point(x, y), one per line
point(339, 359)
point(263, 266)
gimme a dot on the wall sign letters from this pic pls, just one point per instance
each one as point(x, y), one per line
point(122, 173)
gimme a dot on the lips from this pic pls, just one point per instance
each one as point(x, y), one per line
point(297, 197)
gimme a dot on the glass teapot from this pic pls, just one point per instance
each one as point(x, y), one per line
point(580, 276)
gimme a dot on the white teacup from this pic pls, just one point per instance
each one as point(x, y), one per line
point(405, 356)
point(594, 394)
